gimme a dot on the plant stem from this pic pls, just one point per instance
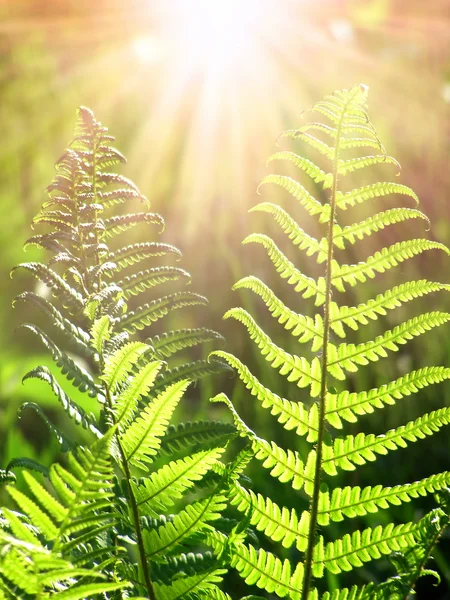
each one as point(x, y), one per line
point(135, 511)
point(314, 506)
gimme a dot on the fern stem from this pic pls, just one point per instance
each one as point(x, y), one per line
point(134, 510)
point(314, 506)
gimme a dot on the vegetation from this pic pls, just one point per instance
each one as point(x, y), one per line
point(96, 522)
point(106, 527)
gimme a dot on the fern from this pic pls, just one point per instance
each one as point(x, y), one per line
point(313, 553)
point(104, 527)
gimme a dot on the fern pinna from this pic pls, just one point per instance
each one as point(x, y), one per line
point(108, 532)
point(344, 127)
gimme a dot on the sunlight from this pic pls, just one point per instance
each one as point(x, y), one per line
point(217, 34)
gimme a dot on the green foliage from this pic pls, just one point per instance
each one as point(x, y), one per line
point(309, 469)
point(96, 525)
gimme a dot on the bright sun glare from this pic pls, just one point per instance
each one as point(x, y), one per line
point(208, 33)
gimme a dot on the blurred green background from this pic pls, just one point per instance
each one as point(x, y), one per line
point(196, 94)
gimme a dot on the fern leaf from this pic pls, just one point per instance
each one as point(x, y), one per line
point(139, 282)
point(134, 253)
point(295, 233)
point(357, 450)
point(127, 401)
point(355, 315)
point(286, 269)
point(72, 332)
point(191, 520)
point(353, 501)
point(195, 435)
point(166, 485)
point(349, 405)
point(168, 343)
point(100, 333)
point(381, 261)
point(120, 363)
point(362, 546)
point(121, 223)
point(266, 571)
point(63, 441)
point(297, 369)
point(70, 406)
point(79, 377)
point(201, 585)
point(142, 439)
point(292, 415)
point(89, 590)
point(109, 199)
point(299, 325)
point(193, 371)
point(373, 190)
point(374, 224)
point(69, 297)
point(140, 318)
point(280, 524)
point(349, 356)
point(310, 204)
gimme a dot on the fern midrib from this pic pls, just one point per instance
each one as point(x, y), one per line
point(324, 367)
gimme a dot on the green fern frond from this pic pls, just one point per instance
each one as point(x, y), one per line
point(142, 439)
point(349, 356)
point(297, 191)
point(301, 283)
point(292, 415)
point(121, 223)
point(303, 468)
point(69, 297)
point(373, 190)
point(139, 282)
point(280, 524)
point(362, 546)
point(150, 312)
point(186, 523)
point(373, 224)
point(169, 343)
point(355, 315)
point(350, 405)
point(380, 262)
point(351, 502)
point(193, 371)
point(297, 369)
point(196, 434)
point(201, 585)
point(134, 253)
point(76, 374)
point(72, 333)
point(74, 411)
point(169, 483)
point(295, 233)
point(300, 326)
point(357, 450)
